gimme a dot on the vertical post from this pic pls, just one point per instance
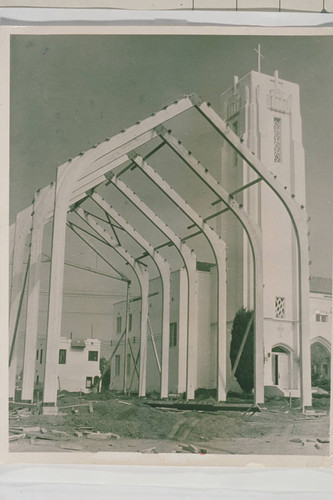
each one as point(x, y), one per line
point(192, 343)
point(304, 330)
point(42, 205)
point(165, 337)
point(62, 196)
point(221, 325)
point(143, 334)
point(258, 329)
point(184, 325)
point(126, 340)
point(22, 228)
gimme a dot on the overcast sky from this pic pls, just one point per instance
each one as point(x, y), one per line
point(70, 92)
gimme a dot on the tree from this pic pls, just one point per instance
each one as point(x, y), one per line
point(244, 372)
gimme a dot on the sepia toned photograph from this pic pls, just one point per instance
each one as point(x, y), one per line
point(170, 241)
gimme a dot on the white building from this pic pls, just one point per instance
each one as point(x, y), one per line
point(78, 364)
point(206, 338)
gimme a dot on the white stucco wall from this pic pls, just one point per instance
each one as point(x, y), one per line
point(254, 102)
point(178, 313)
point(72, 376)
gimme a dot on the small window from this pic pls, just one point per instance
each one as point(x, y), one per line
point(41, 356)
point(62, 356)
point(173, 334)
point(128, 368)
point(119, 324)
point(117, 365)
point(37, 379)
point(277, 140)
point(323, 318)
point(89, 382)
point(130, 322)
point(93, 356)
point(37, 354)
point(280, 303)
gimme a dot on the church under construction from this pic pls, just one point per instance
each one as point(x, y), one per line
point(171, 332)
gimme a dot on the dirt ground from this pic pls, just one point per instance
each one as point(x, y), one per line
point(117, 423)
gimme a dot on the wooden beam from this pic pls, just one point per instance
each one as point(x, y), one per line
point(143, 278)
point(42, 200)
point(246, 186)
point(93, 248)
point(298, 219)
point(164, 271)
point(253, 233)
point(13, 342)
point(212, 216)
point(22, 229)
point(88, 169)
point(219, 252)
point(190, 290)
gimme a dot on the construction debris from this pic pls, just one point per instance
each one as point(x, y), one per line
point(74, 447)
point(252, 410)
point(197, 431)
point(323, 440)
point(189, 447)
point(102, 435)
point(149, 450)
point(61, 434)
point(315, 413)
point(16, 437)
point(200, 406)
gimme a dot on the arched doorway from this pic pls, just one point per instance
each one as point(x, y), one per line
point(320, 363)
point(281, 374)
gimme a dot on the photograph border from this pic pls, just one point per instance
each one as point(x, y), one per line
point(117, 458)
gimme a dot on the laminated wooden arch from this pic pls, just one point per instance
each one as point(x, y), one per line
point(164, 271)
point(298, 217)
point(75, 178)
point(255, 239)
point(190, 301)
point(143, 278)
point(22, 230)
point(218, 248)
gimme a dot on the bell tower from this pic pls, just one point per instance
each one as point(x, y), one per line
point(264, 111)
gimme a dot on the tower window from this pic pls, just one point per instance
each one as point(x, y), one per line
point(130, 322)
point(277, 140)
point(119, 324)
point(173, 334)
point(62, 356)
point(280, 303)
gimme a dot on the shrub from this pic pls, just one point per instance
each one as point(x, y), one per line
point(244, 373)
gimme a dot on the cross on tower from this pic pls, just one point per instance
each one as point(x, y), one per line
point(260, 56)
